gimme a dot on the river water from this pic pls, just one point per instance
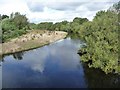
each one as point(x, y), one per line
point(56, 65)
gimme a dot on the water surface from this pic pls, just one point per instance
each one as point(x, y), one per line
point(53, 66)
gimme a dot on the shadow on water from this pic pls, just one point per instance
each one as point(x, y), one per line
point(18, 55)
point(95, 78)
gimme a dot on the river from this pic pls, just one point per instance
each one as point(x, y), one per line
point(56, 65)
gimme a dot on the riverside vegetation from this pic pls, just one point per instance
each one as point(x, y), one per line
point(33, 39)
point(100, 35)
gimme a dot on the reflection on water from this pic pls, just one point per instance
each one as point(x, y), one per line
point(95, 78)
point(18, 55)
point(54, 65)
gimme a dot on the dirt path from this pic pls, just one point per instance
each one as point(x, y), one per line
point(31, 40)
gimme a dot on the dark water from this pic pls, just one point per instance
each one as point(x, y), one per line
point(53, 66)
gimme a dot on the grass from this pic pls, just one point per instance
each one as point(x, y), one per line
point(12, 47)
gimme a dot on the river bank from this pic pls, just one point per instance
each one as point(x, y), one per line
point(31, 40)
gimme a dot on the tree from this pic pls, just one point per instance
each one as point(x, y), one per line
point(99, 14)
point(14, 26)
point(80, 20)
point(5, 16)
point(76, 24)
point(20, 20)
point(101, 36)
point(115, 8)
point(0, 17)
point(11, 15)
point(45, 25)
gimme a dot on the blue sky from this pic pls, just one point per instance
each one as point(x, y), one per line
point(55, 10)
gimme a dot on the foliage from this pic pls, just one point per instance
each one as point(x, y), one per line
point(20, 20)
point(76, 24)
point(101, 36)
point(14, 26)
point(45, 26)
point(115, 8)
point(17, 24)
point(4, 16)
point(32, 26)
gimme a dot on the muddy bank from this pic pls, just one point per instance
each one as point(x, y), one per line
point(31, 40)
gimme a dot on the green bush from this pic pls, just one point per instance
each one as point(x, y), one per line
point(101, 36)
point(14, 26)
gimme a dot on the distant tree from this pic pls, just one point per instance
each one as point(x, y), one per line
point(7, 25)
point(64, 22)
point(80, 20)
point(115, 7)
point(45, 25)
point(5, 16)
point(0, 17)
point(11, 16)
point(76, 24)
point(17, 13)
point(99, 14)
point(32, 26)
point(14, 26)
point(20, 20)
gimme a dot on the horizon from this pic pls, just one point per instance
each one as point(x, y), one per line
point(53, 10)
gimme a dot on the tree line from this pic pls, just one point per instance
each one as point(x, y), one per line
point(16, 24)
point(102, 40)
point(100, 35)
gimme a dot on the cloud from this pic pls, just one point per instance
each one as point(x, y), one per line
point(38, 64)
point(35, 7)
point(7, 7)
point(54, 10)
point(63, 6)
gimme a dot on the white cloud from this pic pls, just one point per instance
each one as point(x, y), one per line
point(54, 10)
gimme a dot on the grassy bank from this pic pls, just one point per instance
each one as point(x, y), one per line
point(31, 40)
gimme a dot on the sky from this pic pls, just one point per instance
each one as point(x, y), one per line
point(55, 10)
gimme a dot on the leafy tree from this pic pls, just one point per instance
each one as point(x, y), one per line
point(99, 14)
point(76, 24)
point(80, 20)
point(20, 20)
point(45, 25)
point(32, 26)
point(14, 26)
point(115, 8)
point(11, 15)
point(0, 17)
point(101, 36)
point(4, 16)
